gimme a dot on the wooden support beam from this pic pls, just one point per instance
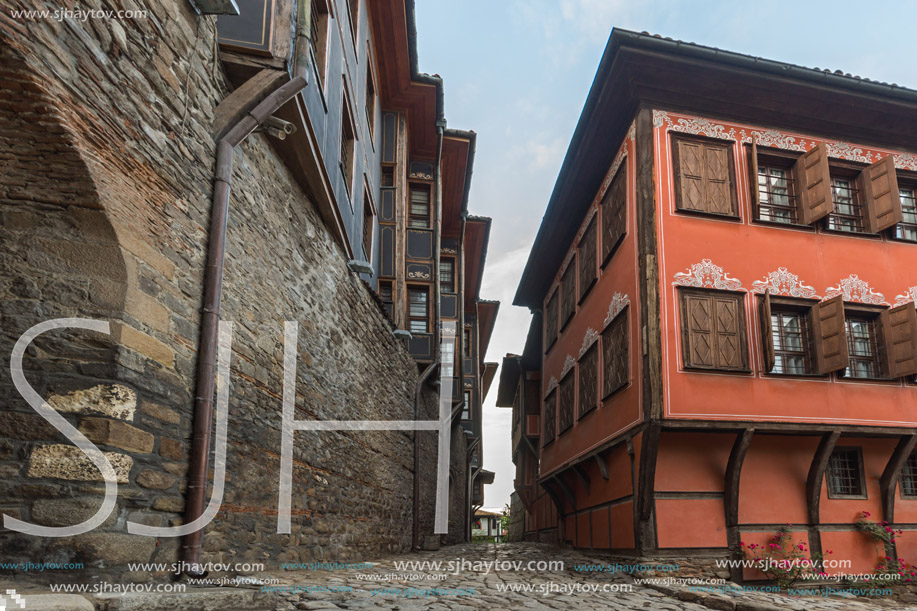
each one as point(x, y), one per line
point(568, 492)
point(556, 499)
point(646, 482)
point(583, 477)
point(889, 481)
point(731, 482)
point(603, 465)
point(813, 487)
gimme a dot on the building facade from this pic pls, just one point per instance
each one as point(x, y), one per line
point(725, 337)
point(173, 169)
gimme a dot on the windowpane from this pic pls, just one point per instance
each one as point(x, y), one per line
point(848, 211)
point(909, 476)
point(417, 310)
point(776, 199)
point(790, 333)
point(420, 207)
point(844, 473)
point(447, 275)
point(466, 411)
point(863, 349)
point(907, 228)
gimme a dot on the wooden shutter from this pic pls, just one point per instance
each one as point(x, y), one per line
point(814, 185)
point(697, 328)
point(753, 180)
point(730, 353)
point(566, 400)
point(550, 322)
point(830, 335)
point(691, 175)
point(883, 201)
point(588, 380)
point(614, 355)
point(767, 333)
point(717, 179)
point(614, 213)
point(568, 294)
point(550, 418)
point(899, 329)
point(586, 254)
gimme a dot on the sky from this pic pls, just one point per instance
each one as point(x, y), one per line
point(517, 72)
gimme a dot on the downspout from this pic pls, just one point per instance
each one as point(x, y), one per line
point(415, 533)
point(303, 40)
point(437, 231)
point(210, 313)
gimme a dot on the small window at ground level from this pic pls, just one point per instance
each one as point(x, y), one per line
point(845, 473)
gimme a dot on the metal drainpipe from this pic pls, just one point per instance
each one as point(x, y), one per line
point(303, 40)
point(437, 231)
point(415, 533)
point(213, 289)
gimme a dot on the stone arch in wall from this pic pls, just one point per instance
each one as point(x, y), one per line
point(60, 257)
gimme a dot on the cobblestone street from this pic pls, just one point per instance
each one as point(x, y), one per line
point(546, 589)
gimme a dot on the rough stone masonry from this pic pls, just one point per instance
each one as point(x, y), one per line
point(106, 165)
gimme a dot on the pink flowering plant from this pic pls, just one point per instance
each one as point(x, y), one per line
point(782, 559)
point(887, 571)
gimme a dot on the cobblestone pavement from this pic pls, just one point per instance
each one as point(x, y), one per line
point(386, 587)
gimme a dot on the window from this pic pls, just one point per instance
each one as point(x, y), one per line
point(368, 224)
point(386, 296)
point(586, 259)
point(862, 348)
point(907, 228)
point(550, 417)
point(466, 346)
point(353, 7)
point(347, 148)
point(550, 322)
point(420, 207)
point(318, 36)
point(567, 295)
point(466, 411)
point(704, 171)
point(713, 330)
point(614, 355)
point(789, 332)
point(614, 214)
point(909, 476)
point(388, 176)
point(447, 353)
point(845, 474)
point(776, 199)
point(418, 309)
point(566, 400)
point(447, 275)
point(588, 380)
point(848, 212)
point(370, 99)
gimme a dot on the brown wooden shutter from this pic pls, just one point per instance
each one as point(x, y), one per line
point(730, 344)
point(899, 328)
point(568, 294)
point(767, 333)
point(691, 175)
point(698, 330)
point(717, 179)
point(588, 380)
point(753, 179)
point(614, 355)
point(614, 211)
point(550, 418)
point(814, 182)
point(586, 254)
point(566, 403)
point(550, 322)
point(830, 335)
point(883, 201)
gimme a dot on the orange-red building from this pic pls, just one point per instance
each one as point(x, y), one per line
point(724, 336)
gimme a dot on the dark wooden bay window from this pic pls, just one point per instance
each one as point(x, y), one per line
point(419, 309)
point(550, 418)
point(447, 275)
point(713, 330)
point(420, 206)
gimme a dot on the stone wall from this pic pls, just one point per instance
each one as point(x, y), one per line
point(106, 164)
point(516, 518)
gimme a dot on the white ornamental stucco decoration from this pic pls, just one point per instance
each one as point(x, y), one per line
point(590, 338)
point(552, 384)
point(784, 282)
point(707, 274)
point(853, 288)
point(909, 296)
point(850, 152)
point(906, 161)
point(619, 301)
point(694, 125)
point(568, 365)
point(774, 139)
